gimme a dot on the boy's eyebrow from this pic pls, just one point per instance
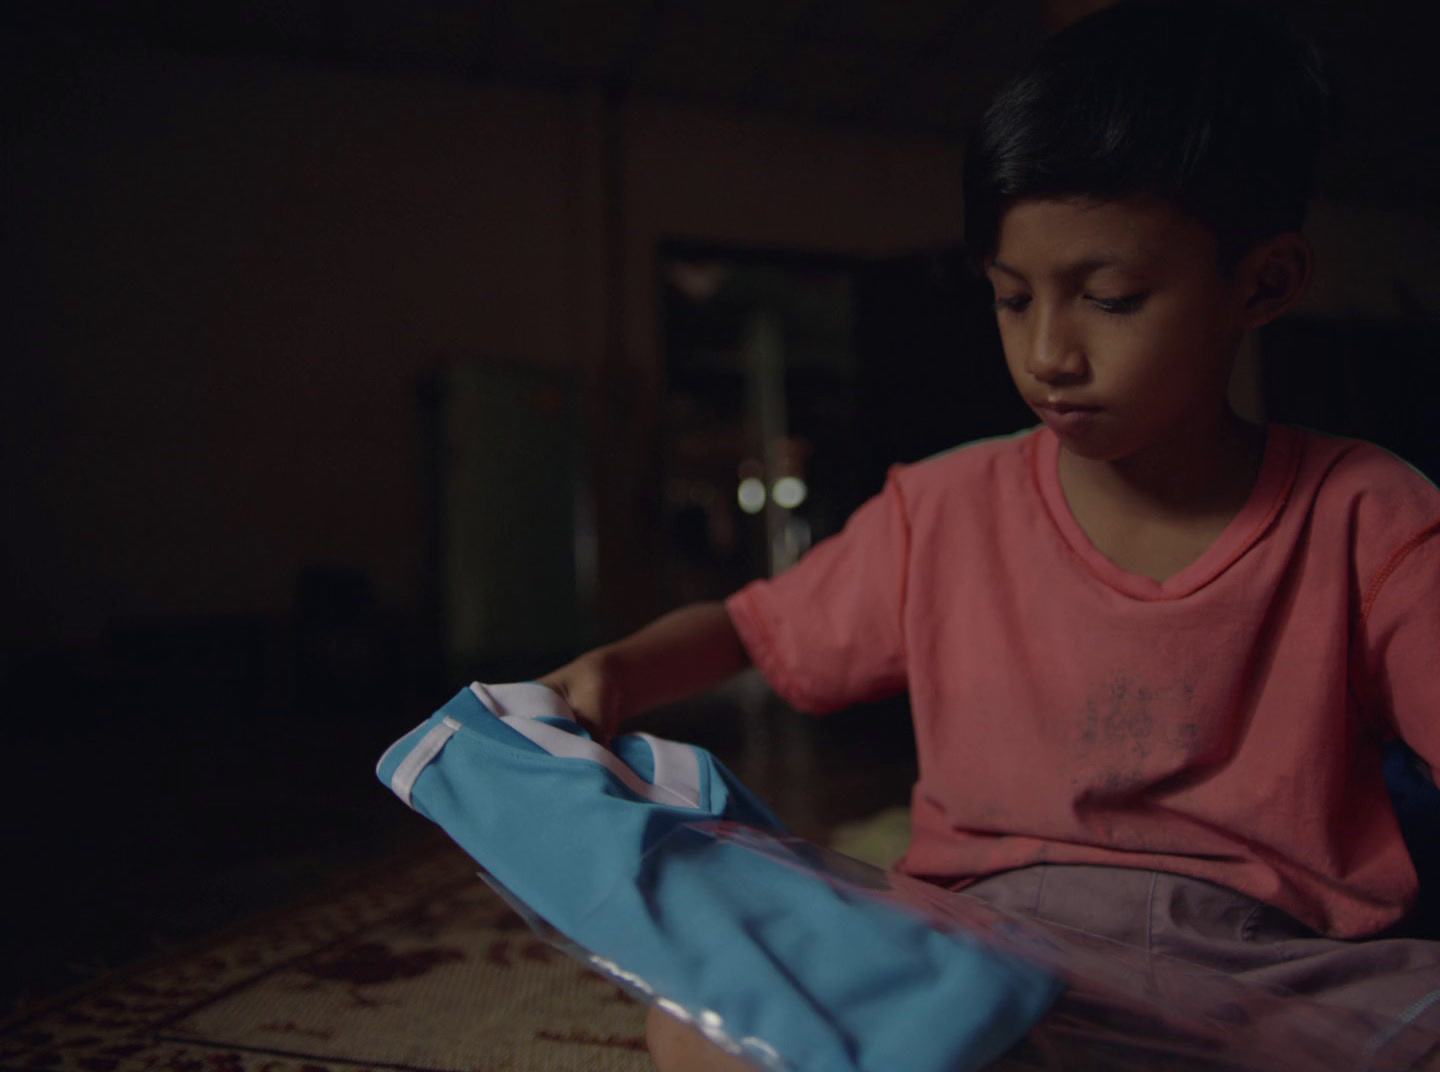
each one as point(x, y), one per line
point(1077, 270)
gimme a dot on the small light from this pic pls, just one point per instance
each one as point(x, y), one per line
point(752, 495)
point(789, 492)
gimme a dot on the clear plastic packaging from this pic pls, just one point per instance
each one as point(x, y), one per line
point(1123, 1009)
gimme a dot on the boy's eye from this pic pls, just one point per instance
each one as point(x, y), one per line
point(1128, 304)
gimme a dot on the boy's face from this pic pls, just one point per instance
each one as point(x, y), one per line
point(1119, 329)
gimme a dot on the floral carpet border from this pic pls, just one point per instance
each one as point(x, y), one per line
point(119, 1023)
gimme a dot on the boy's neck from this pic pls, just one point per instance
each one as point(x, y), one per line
point(1198, 474)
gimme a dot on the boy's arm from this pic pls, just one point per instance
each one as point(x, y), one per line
point(674, 657)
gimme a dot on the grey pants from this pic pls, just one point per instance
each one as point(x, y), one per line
point(1181, 947)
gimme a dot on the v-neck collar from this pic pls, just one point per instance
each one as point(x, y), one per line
point(1267, 497)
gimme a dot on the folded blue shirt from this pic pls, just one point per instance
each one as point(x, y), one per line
point(617, 850)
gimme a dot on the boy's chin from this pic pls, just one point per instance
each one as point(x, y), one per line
point(1091, 444)
point(1100, 449)
point(1099, 457)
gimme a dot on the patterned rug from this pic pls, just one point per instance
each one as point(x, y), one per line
point(415, 965)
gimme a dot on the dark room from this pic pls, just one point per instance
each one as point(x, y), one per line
point(356, 352)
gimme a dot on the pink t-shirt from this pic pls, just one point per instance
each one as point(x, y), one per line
point(1225, 724)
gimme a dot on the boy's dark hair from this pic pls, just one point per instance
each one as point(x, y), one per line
point(1218, 107)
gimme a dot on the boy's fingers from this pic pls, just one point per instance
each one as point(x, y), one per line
point(584, 712)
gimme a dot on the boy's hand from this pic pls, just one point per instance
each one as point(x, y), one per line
point(588, 685)
point(674, 657)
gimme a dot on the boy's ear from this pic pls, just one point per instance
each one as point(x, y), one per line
point(1274, 277)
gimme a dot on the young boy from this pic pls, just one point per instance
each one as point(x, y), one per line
point(1152, 650)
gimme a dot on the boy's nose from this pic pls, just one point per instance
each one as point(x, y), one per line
point(1056, 357)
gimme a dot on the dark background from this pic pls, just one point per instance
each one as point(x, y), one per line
point(246, 246)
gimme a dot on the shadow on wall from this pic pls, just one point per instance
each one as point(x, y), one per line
point(1366, 378)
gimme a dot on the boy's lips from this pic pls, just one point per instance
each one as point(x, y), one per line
point(1066, 418)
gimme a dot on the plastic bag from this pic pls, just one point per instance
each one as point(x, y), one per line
point(797, 958)
point(610, 848)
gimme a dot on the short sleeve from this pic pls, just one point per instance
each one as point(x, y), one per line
point(1402, 643)
point(829, 633)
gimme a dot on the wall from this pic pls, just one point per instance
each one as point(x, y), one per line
point(1373, 263)
point(223, 280)
point(229, 278)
